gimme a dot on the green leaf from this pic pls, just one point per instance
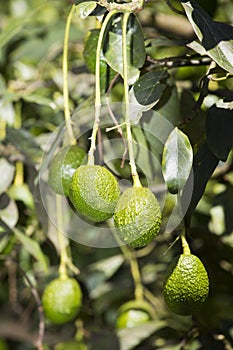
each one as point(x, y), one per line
point(16, 25)
point(145, 93)
point(89, 54)
point(148, 89)
point(24, 142)
point(219, 131)
point(21, 192)
point(7, 174)
point(204, 164)
point(11, 30)
point(10, 214)
point(135, 48)
point(84, 9)
point(108, 266)
point(177, 160)
point(131, 337)
point(215, 37)
point(100, 272)
point(32, 248)
point(40, 100)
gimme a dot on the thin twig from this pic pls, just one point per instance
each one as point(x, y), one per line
point(119, 129)
point(176, 62)
point(108, 18)
point(100, 146)
point(40, 339)
point(65, 77)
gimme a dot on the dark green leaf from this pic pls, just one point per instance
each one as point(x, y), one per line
point(24, 142)
point(177, 160)
point(148, 89)
point(89, 53)
point(103, 340)
point(131, 337)
point(219, 131)
point(204, 164)
point(135, 48)
point(215, 37)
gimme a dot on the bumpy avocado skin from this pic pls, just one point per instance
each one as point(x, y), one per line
point(94, 192)
point(137, 217)
point(186, 285)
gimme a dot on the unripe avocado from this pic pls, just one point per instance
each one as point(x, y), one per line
point(94, 192)
point(63, 166)
point(186, 285)
point(61, 300)
point(137, 217)
point(134, 313)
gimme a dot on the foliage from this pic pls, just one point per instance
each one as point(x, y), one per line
point(179, 79)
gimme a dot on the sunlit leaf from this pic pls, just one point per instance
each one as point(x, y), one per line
point(24, 141)
point(100, 272)
point(7, 112)
point(10, 214)
point(215, 37)
point(177, 160)
point(21, 192)
point(11, 30)
point(131, 337)
point(135, 48)
point(84, 9)
point(7, 174)
point(108, 266)
point(32, 247)
point(40, 100)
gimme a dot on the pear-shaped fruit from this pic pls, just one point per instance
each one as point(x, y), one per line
point(94, 192)
point(186, 285)
point(137, 217)
point(61, 300)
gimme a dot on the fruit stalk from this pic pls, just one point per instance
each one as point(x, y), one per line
point(130, 255)
point(185, 245)
point(136, 181)
point(62, 241)
point(95, 128)
point(138, 291)
point(71, 136)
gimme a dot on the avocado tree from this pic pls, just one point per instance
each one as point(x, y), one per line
point(116, 130)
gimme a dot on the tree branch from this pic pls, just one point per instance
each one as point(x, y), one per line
point(176, 62)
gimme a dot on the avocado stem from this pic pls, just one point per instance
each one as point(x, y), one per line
point(61, 240)
point(138, 291)
point(71, 136)
point(98, 88)
point(185, 245)
point(19, 173)
point(127, 104)
point(136, 181)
